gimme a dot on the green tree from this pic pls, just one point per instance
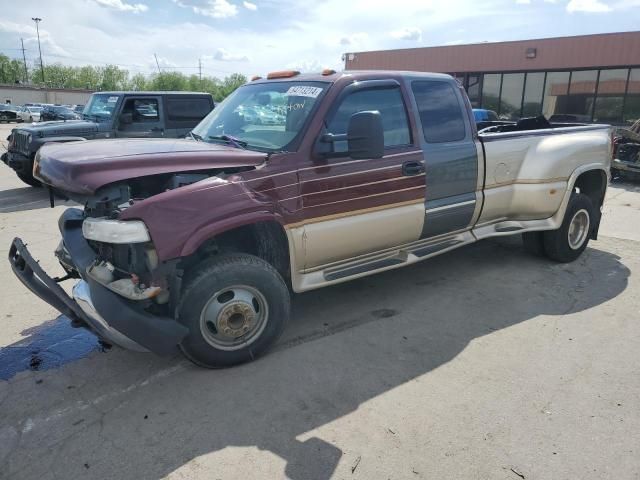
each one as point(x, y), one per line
point(229, 84)
point(11, 71)
point(137, 82)
point(168, 81)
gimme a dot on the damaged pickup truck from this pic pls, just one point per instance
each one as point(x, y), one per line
point(196, 243)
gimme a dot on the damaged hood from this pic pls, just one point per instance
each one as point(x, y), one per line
point(84, 167)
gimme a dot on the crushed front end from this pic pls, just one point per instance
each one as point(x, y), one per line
point(122, 291)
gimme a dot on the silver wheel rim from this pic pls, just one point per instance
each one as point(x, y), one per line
point(578, 229)
point(234, 317)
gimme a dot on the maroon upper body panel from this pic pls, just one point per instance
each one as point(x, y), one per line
point(83, 167)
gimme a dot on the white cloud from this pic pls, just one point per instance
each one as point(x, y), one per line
point(305, 66)
point(214, 9)
point(122, 6)
point(590, 6)
point(250, 6)
point(523, 2)
point(49, 46)
point(224, 56)
point(409, 33)
point(354, 39)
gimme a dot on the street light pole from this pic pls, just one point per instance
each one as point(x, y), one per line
point(38, 20)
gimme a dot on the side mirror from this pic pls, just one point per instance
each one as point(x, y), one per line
point(364, 138)
point(365, 135)
point(125, 118)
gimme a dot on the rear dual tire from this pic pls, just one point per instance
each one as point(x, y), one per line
point(567, 243)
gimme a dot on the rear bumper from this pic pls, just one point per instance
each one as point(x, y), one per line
point(118, 320)
point(625, 166)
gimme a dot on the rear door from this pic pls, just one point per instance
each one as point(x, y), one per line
point(452, 155)
point(355, 207)
point(146, 114)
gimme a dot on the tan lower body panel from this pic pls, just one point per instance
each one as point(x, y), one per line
point(522, 201)
point(322, 242)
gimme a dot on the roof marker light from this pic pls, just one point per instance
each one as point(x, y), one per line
point(283, 74)
point(256, 77)
point(328, 71)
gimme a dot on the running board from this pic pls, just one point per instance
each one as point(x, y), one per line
point(407, 255)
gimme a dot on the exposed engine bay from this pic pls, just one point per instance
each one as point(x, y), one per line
point(133, 270)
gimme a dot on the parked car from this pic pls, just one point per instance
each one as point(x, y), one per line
point(107, 115)
point(57, 112)
point(78, 108)
point(626, 161)
point(8, 113)
point(196, 243)
point(29, 113)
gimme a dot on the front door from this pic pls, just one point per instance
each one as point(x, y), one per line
point(143, 116)
point(355, 207)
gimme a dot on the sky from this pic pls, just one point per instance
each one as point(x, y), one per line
point(255, 37)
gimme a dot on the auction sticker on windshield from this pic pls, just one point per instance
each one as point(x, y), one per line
point(112, 99)
point(302, 91)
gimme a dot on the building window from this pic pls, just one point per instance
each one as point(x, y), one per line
point(632, 102)
point(440, 111)
point(555, 93)
point(473, 89)
point(491, 91)
point(610, 96)
point(534, 86)
point(511, 96)
point(579, 104)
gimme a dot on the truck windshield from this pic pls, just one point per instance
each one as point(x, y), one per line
point(100, 107)
point(263, 116)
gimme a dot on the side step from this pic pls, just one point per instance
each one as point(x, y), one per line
point(407, 255)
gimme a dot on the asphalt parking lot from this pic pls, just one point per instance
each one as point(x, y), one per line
point(483, 363)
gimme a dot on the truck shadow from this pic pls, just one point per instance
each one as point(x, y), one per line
point(27, 198)
point(361, 339)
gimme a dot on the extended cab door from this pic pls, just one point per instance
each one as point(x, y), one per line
point(452, 154)
point(355, 207)
point(141, 117)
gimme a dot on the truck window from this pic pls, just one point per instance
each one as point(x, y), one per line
point(187, 109)
point(440, 112)
point(388, 102)
point(142, 109)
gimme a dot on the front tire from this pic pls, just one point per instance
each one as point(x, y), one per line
point(235, 307)
point(568, 242)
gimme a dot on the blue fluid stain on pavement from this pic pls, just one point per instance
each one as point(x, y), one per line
point(47, 346)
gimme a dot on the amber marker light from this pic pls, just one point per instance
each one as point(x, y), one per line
point(283, 74)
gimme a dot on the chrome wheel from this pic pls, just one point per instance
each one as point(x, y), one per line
point(578, 229)
point(234, 317)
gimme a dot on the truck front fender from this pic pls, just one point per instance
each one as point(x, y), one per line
point(210, 231)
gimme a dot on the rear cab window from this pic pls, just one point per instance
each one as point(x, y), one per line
point(441, 114)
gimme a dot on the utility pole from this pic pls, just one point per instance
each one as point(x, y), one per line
point(38, 20)
point(157, 64)
point(200, 71)
point(24, 58)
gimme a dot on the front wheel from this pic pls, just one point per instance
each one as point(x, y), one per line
point(235, 307)
point(568, 242)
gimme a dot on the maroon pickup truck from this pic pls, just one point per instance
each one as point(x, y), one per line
point(298, 182)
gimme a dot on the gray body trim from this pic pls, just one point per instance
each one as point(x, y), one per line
point(451, 171)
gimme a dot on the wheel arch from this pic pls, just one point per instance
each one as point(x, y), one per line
point(592, 182)
point(262, 235)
